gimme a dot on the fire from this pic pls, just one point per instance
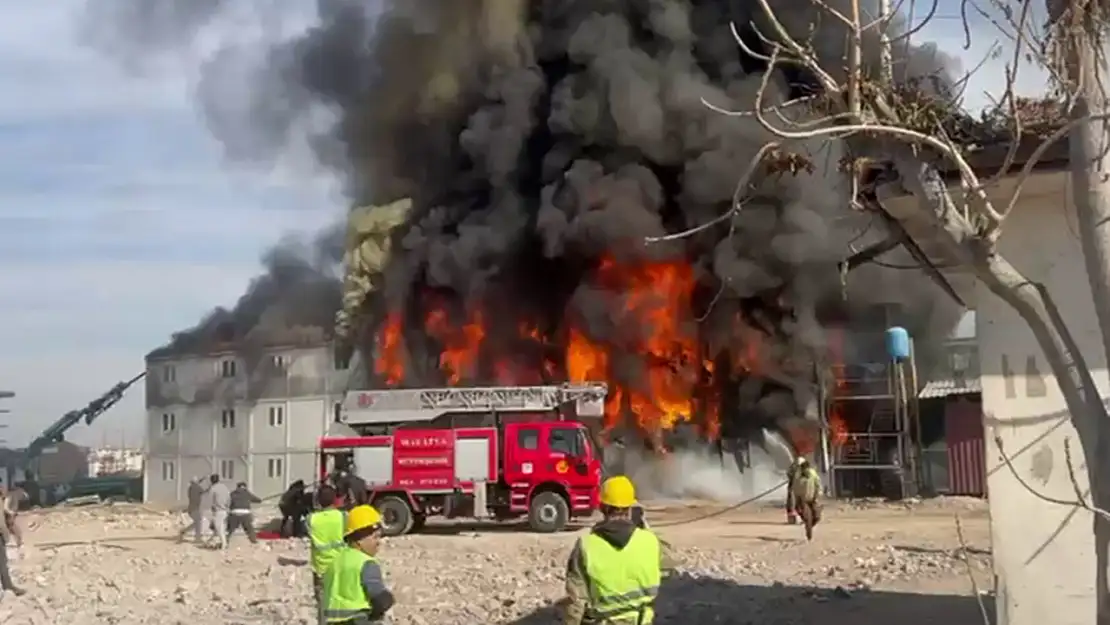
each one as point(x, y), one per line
point(838, 428)
point(658, 327)
point(390, 364)
point(461, 345)
point(657, 368)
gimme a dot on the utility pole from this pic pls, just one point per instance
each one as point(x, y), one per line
point(5, 395)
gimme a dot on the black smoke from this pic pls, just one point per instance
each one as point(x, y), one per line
point(536, 136)
point(293, 302)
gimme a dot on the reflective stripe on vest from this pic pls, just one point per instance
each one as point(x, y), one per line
point(623, 583)
point(344, 598)
point(325, 530)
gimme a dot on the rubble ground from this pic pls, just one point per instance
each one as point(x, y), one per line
point(870, 562)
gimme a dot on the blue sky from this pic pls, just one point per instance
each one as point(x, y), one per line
point(120, 220)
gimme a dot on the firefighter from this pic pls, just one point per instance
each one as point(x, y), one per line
point(354, 589)
point(805, 490)
point(614, 572)
point(351, 487)
point(325, 534)
point(791, 474)
point(294, 509)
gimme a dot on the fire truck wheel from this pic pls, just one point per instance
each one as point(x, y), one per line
point(396, 515)
point(548, 512)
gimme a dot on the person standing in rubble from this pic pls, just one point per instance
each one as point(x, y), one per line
point(614, 572)
point(240, 514)
point(294, 510)
point(325, 535)
point(11, 500)
point(354, 590)
point(806, 493)
point(195, 497)
point(6, 583)
point(220, 499)
point(351, 487)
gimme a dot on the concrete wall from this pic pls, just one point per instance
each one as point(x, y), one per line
point(256, 420)
point(1043, 552)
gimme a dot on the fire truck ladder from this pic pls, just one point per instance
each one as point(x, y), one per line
point(483, 398)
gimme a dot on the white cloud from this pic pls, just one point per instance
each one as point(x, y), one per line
point(120, 222)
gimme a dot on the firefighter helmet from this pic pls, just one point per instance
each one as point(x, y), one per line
point(618, 492)
point(360, 518)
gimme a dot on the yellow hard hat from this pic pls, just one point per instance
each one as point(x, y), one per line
point(618, 492)
point(362, 517)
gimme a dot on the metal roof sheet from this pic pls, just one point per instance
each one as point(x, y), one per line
point(947, 387)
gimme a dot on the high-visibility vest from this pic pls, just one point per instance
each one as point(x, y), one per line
point(807, 485)
point(325, 530)
point(344, 598)
point(622, 583)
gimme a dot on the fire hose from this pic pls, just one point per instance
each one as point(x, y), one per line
point(717, 513)
point(696, 519)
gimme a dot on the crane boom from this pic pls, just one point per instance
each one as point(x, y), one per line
point(55, 433)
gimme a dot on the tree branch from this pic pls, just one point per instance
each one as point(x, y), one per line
point(983, 614)
point(1080, 500)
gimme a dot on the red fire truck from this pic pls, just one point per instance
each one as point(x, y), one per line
point(485, 453)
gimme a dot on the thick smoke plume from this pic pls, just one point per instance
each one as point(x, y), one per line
point(292, 303)
point(541, 142)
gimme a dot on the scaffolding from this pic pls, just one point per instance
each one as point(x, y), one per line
point(877, 452)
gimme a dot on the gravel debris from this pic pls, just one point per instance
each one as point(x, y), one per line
point(122, 565)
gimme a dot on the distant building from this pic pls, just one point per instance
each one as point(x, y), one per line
point(951, 409)
point(115, 461)
point(250, 415)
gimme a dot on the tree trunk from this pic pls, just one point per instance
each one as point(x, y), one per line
point(1089, 141)
point(1035, 306)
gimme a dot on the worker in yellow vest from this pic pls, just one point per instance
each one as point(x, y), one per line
point(354, 589)
point(614, 572)
point(325, 534)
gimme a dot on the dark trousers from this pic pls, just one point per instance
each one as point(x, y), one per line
point(293, 525)
point(245, 521)
point(318, 594)
point(6, 582)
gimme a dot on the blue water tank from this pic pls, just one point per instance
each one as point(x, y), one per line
point(898, 343)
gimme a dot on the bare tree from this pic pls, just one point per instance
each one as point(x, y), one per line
point(907, 132)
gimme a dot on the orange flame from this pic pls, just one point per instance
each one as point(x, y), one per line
point(656, 367)
point(460, 345)
point(655, 313)
point(838, 428)
point(390, 364)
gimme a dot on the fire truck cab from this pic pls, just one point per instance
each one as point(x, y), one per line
point(485, 453)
